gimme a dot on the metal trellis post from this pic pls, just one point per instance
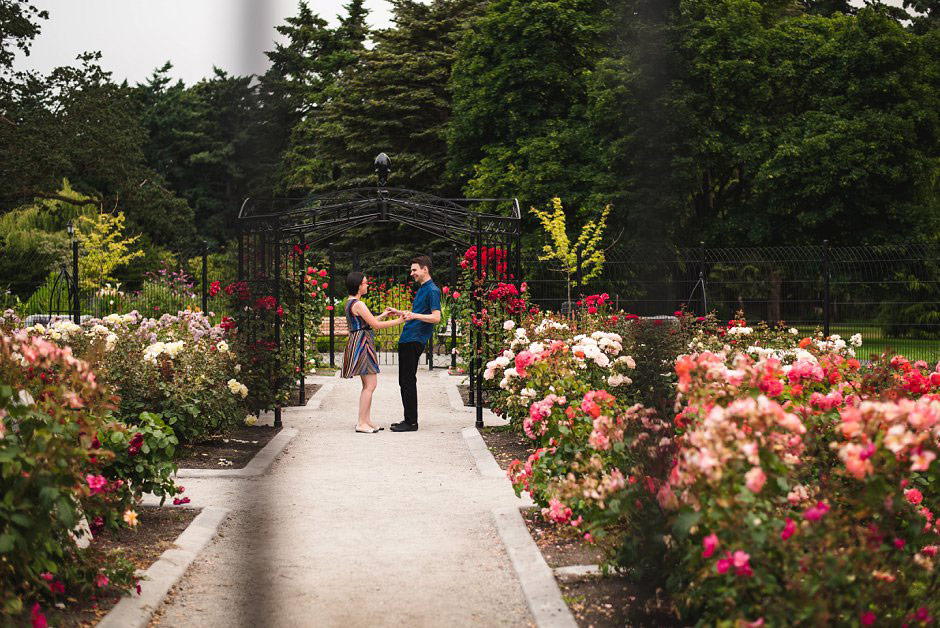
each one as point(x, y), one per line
point(205, 278)
point(453, 309)
point(332, 308)
point(76, 301)
point(277, 322)
point(826, 295)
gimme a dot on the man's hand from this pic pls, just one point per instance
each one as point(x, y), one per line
point(409, 316)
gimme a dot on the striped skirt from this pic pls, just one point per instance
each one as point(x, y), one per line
point(359, 358)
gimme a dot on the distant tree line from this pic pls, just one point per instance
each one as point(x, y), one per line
point(737, 122)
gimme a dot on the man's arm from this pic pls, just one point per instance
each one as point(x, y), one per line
point(434, 317)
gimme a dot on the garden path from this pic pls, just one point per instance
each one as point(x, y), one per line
point(352, 529)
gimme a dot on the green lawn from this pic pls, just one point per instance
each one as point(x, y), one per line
point(873, 341)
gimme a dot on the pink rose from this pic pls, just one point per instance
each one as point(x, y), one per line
point(788, 529)
point(914, 496)
point(867, 618)
point(816, 512)
point(710, 542)
point(723, 565)
point(755, 479)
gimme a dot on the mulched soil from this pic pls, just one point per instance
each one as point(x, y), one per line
point(156, 530)
point(562, 545)
point(309, 390)
point(465, 395)
point(597, 601)
point(613, 601)
point(506, 444)
point(238, 446)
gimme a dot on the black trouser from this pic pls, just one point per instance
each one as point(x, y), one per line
point(408, 355)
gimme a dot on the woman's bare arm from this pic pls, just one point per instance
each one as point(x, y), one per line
point(361, 309)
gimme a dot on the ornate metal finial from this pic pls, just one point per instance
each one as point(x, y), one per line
point(382, 167)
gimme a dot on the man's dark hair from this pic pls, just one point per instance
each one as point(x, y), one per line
point(353, 280)
point(422, 260)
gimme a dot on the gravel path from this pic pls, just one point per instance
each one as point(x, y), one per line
point(355, 529)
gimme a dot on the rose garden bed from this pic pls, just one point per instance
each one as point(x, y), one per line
point(232, 450)
point(155, 533)
point(594, 600)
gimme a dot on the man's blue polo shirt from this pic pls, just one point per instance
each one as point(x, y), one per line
point(427, 299)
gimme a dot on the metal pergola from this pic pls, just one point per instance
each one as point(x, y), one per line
point(276, 233)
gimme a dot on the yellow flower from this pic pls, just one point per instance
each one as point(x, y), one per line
point(130, 517)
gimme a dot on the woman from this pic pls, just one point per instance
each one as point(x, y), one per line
point(359, 357)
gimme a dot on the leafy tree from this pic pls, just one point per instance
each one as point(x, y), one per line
point(33, 238)
point(104, 248)
point(520, 95)
point(395, 99)
point(565, 253)
point(811, 127)
point(75, 122)
point(19, 25)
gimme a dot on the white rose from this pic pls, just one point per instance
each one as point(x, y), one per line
point(509, 325)
point(528, 393)
point(520, 333)
point(856, 340)
point(502, 361)
point(510, 372)
point(615, 380)
point(602, 360)
point(222, 347)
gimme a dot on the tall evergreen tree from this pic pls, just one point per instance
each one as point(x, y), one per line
point(395, 99)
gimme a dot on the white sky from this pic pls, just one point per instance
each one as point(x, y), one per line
point(137, 36)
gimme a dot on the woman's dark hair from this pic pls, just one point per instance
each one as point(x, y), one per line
point(353, 281)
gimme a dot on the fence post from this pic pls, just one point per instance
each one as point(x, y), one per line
point(826, 295)
point(205, 278)
point(332, 308)
point(76, 300)
point(578, 281)
point(478, 350)
point(277, 322)
point(355, 260)
point(453, 308)
point(301, 302)
point(701, 276)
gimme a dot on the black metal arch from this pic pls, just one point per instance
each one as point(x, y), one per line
point(328, 215)
point(273, 231)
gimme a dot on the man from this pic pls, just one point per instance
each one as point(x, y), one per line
point(424, 315)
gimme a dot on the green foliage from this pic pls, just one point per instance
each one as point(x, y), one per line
point(143, 456)
point(564, 253)
point(49, 411)
point(104, 248)
point(33, 238)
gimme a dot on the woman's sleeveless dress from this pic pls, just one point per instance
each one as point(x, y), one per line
point(359, 357)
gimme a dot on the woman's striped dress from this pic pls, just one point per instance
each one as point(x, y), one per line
point(359, 357)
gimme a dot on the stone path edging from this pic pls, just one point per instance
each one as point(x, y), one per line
point(456, 401)
point(536, 577)
point(136, 611)
point(258, 465)
point(485, 462)
point(317, 398)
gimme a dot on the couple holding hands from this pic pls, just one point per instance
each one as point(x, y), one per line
point(360, 357)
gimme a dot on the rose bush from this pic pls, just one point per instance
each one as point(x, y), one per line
point(760, 476)
point(54, 475)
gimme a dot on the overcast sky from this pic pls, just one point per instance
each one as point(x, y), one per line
point(136, 36)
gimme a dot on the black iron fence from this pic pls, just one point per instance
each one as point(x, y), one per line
point(890, 294)
point(195, 282)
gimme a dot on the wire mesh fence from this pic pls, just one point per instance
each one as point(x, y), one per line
point(889, 294)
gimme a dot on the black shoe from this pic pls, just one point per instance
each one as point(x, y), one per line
point(403, 427)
